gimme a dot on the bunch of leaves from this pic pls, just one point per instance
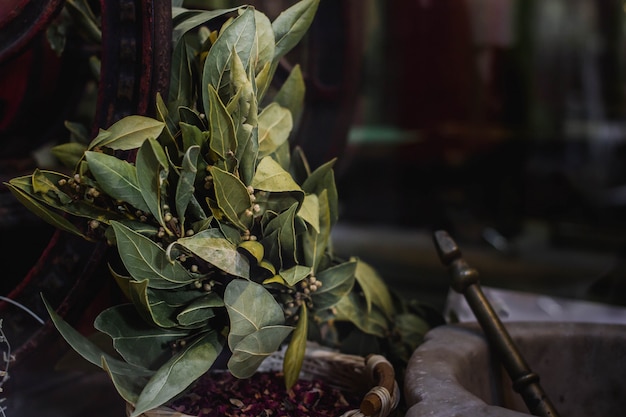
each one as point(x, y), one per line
point(223, 231)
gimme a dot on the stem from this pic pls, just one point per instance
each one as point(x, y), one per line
point(23, 307)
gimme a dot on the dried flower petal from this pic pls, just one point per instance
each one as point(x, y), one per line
point(264, 394)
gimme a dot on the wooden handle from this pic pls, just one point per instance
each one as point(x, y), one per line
point(385, 376)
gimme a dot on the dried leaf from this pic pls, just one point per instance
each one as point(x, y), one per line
point(135, 340)
point(291, 93)
point(270, 176)
point(200, 310)
point(211, 246)
point(295, 274)
point(152, 171)
point(238, 38)
point(223, 140)
point(374, 288)
point(116, 178)
point(128, 133)
point(69, 154)
point(233, 198)
point(294, 356)
point(88, 350)
point(185, 187)
point(179, 372)
point(337, 282)
point(254, 348)
point(275, 124)
point(145, 260)
point(250, 307)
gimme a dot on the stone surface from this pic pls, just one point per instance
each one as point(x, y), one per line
point(581, 366)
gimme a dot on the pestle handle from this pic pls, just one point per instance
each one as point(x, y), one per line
point(465, 281)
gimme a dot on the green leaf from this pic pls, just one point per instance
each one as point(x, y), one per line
point(285, 225)
point(127, 386)
point(243, 104)
point(269, 267)
point(411, 329)
point(211, 246)
point(291, 93)
point(81, 207)
point(200, 310)
point(136, 341)
point(230, 232)
point(44, 213)
point(323, 178)
point(310, 211)
point(299, 167)
point(47, 187)
point(291, 25)
point(177, 298)
point(282, 155)
point(191, 117)
point(264, 40)
point(223, 140)
point(295, 274)
point(155, 311)
point(117, 178)
point(152, 171)
point(374, 288)
point(192, 136)
point(186, 180)
point(122, 281)
point(254, 348)
point(232, 198)
point(275, 124)
point(145, 229)
point(179, 372)
point(238, 37)
point(247, 152)
point(183, 76)
point(276, 279)
point(270, 176)
point(145, 260)
point(250, 307)
point(294, 356)
point(337, 282)
point(128, 133)
point(171, 129)
point(271, 245)
point(69, 154)
point(277, 202)
point(78, 132)
point(263, 80)
point(88, 350)
point(191, 19)
point(253, 248)
point(314, 243)
point(352, 308)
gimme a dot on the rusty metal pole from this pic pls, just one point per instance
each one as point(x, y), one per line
point(465, 281)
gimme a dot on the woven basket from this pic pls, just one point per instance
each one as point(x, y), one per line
point(349, 373)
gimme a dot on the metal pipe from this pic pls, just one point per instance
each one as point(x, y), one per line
point(465, 281)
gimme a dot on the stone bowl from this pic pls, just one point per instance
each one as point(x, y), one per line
point(582, 367)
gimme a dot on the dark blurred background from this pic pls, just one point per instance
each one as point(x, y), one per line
point(494, 113)
point(501, 121)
